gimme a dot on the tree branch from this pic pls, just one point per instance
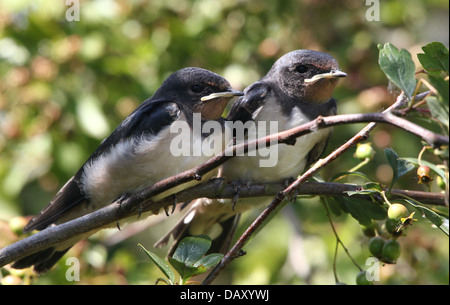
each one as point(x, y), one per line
point(141, 202)
point(385, 117)
point(214, 189)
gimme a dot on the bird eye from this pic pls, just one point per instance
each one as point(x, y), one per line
point(197, 88)
point(301, 68)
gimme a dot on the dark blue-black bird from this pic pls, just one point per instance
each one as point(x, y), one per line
point(297, 89)
point(138, 154)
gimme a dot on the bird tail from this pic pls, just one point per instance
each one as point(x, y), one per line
point(42, 260)
point(205, 217)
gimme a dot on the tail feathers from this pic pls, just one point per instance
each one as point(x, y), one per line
point(222, 243)
point(42, 260)
point(198, 220)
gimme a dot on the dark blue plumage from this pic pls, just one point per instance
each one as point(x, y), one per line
point(135, 155)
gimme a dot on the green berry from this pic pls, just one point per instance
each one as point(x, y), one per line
point(391, 251)
point(376, 246)
point(440, 182)
point(393, 226)
point(397, 211)
point(361, 279)
point(364, 151)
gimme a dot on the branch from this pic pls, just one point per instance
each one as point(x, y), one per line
point(141, 202)
point(385, 117)
point(214, 189)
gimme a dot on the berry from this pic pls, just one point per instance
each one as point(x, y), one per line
point(423, 173)
point(394, 227)
point(364, 151)
point(361, 279)
point(391, 251)
point(376, 246)
point(440, 182)
point(397, 211)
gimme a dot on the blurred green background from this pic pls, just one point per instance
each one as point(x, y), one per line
point(64, 86)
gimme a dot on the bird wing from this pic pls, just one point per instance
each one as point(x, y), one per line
point(247, 107)
point(69, 196)
point(147, 120)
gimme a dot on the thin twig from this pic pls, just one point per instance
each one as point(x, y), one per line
point(286, 193)
point(141, 202)
point(338, 242)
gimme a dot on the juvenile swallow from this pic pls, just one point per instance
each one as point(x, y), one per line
point(297, 89)
point(136, 155)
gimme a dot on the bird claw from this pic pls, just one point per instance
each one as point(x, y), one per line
point(174, 205)
point(288, 182)
point(175, 202)
point(237, 190)
point(122, 198)
point(292, 196)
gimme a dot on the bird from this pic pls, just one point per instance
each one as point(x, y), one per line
point(137, 154)
point(297, 89)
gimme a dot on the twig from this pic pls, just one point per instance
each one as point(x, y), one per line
point(338, 242)
point(214, 189)
point(291, 189)
point(141, 202)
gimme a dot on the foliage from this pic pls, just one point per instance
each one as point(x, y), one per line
point(65, 85)
point(188, 259)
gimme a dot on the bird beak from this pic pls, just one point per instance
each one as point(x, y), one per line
point(331, 74)
point(230, 93)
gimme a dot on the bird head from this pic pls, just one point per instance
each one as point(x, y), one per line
point(200, 91)
point(309, 76)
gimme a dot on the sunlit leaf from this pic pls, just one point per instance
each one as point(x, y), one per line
point(398, 67)
point(209, 260)
point(161, 264)
point(191, 249)
point(435, 57)
point(438, 110)
point(432, 216)
point(442, 86)
point(186, 271)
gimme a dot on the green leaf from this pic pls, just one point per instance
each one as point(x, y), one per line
point(191, 249)
point(435, 57)
point(186, 271)
point(189, 252)
point(368, 188)
point(209, 261)
point(398, 67)
point(398, 165)
point(438, 110)
point(432, 216)
point(373, 186)
point(404, 167)
point(392, 158)
point(442, 87)
point(333, 204)
point(161, 264)
point(363, 210)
